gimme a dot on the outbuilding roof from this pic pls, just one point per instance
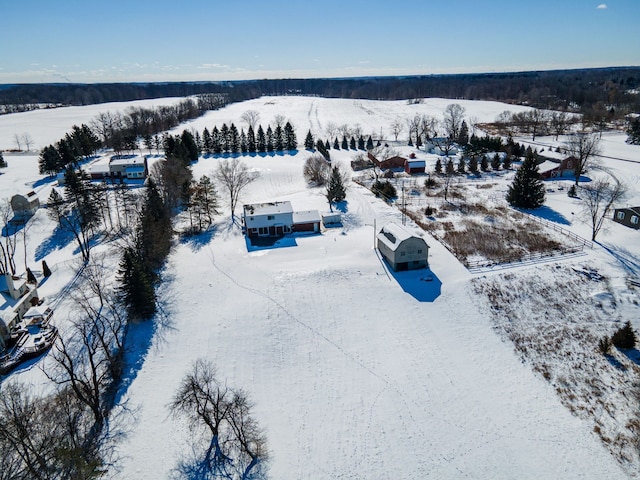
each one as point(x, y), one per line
point(392, 235)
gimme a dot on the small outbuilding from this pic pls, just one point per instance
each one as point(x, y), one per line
point(628, 216)
point(402, 248)
point(25, 206)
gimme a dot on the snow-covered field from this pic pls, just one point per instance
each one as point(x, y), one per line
point(355, 372)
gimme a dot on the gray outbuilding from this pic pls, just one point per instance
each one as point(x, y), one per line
point(402, 248)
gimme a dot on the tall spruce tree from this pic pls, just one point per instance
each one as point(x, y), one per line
point(527, 189)
point(136, 288)
point(261, 142)
point(308, 141)
point(291, 142)
point(336, 191)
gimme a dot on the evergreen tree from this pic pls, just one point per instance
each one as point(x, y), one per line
point(438, 167)
point(3, 163)
point(352, 143)
point(625, 337)
point(190, 145)
point(507, 162)
point(216, 144)
point(206, 141)
point(484, 163)
point(261, 142)
point(243, 141)
point(251, 140)
point(50, 161)
point(291, 142)
point(225, 139)
point(155, 230)
point(308, 141)
point(450, 169)
point(370, 143)
point(136, 285)
point(462, 166)
point(270, 140)
point(279, 139)
point(633, 131)
point(336, 191)
point(345, 143)
point(46, 271)
point(527, 189)
point(327, 145)
point(473, 164)
point(463, 136)
point(234, 139)
point(31, 278)
point(361, 143)
point(336, 144)
point(495, 162)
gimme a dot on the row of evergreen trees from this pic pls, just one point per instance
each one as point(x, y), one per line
point(80, 143)
point(228, 140)
point(346, 144)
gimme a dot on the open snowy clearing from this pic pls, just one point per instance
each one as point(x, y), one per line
point(355, 372)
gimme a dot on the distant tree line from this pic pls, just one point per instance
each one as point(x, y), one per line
point(570, 90)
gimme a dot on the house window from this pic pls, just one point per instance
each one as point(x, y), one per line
point(620, 215)
point(270, 217)
point(263, 231)
point(402, 254)
point(634, 219)
point(419, 251)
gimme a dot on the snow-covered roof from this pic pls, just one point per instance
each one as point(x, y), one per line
point(548, 165)
point(416, 163)
point(392, 235)
point(268, 208)
point(37, 311)
point(306, 216)
point(99, 168)
point(127, 161)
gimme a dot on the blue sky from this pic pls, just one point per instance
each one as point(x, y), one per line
point(159, 40)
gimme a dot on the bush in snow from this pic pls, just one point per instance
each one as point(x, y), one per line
point(625, 337)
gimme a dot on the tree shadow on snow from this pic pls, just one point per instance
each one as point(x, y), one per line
point(43, 181)
point(629, 261)
point(550, 214)
point(197, 241)
point(632, 354)
point(59, 239)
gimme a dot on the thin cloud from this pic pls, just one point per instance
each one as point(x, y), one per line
point(602, 6)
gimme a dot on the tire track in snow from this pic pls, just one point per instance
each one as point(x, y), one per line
point(403, 411)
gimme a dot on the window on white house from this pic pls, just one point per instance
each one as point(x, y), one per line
point(270, 217)
point(620, 215)
point(634, 219)
point(402, 254)
point(419, 251)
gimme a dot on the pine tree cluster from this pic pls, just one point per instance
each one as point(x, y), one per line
point(80, 143)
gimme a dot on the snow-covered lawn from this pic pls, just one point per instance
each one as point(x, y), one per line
point(355, 371)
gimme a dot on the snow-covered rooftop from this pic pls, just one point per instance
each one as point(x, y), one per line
point(306, 216)
point(268, 208)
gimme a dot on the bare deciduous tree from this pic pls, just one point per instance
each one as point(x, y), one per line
point(331, 128)
point(452, 122)
point(27, 139)
point(316, 169)
point(234, 176)
point(220, 419)
point(279, 120)
point(598, 198)
point(251, 117)
point(396, 128)
point(584, 147)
